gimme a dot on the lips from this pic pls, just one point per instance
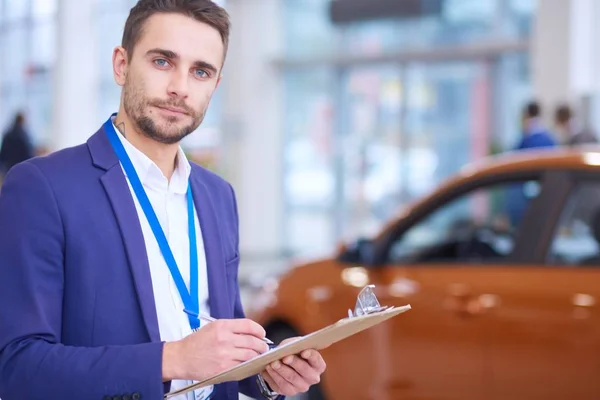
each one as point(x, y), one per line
point(174, 110)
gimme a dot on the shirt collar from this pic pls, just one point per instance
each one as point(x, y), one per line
point(151, 176)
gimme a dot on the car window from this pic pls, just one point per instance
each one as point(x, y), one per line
point(477, 226)
point(577, 235)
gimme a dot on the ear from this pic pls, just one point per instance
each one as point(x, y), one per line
point(120, 65)
point(218, 81)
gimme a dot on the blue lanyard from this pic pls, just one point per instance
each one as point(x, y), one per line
point(190, 300)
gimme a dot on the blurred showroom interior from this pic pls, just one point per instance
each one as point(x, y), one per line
point(331, 115)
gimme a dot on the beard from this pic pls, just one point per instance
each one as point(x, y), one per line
point(137, 107)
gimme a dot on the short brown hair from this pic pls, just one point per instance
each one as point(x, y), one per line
point(205, 11)
point(563, 114)
point(532, 110)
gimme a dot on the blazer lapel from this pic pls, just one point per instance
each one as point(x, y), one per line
point(218, 297)
point(117, 189)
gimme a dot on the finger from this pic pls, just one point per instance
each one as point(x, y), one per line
point(280, 384)
point(315, 360)
point(290, 376)
point(250, 342)
point(308, 374)
point(243, 355)
point(272, 384)
point(245, 326)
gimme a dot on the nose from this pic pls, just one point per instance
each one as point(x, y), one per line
point(178, 85)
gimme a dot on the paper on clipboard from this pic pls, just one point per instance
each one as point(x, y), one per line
point(317, 340)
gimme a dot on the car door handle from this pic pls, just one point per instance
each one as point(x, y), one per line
point(583, 300)
point(475, 305)
point(460, 300)
point(583, 304)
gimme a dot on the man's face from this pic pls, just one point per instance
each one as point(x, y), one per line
point(173, 72)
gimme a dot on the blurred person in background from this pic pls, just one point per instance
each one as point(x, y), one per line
point(534, 135)
point(533, 132)
point(16, 145)
point(113, 249)
point(575, 133)
point(571, 130)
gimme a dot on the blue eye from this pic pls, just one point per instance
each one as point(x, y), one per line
point(200, 73)
point(161, 62)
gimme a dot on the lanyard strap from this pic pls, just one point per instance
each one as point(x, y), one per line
point(190, 300)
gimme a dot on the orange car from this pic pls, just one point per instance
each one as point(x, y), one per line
point(501, 266)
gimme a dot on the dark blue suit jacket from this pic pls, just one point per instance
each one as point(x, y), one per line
point(77, 313)
point(536, 139)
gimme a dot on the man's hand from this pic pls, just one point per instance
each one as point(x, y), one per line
point(214, 348)
point(295, 374)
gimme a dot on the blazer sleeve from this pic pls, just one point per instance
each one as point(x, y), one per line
point(248, 386)
point(33, 362)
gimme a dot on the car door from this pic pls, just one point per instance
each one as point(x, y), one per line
point(441, 263)
point(545, 332)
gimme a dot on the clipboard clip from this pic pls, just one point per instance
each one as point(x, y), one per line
point(366, 303)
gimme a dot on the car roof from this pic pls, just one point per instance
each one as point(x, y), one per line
point(585, 157)
point(535, 159)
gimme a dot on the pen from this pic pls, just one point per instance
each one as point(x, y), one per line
point(208, 318)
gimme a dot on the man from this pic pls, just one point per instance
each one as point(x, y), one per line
point(16, 146)
point(567, 128)
point(112, 250)
point(534, 134)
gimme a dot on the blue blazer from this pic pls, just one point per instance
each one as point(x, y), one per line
point(536, 139)
point(77, 313)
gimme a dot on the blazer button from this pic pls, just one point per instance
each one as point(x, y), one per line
point(136, 396)
point(116, 398)
point(126, 397)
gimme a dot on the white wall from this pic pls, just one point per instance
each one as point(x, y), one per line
point(76, 76)
point(252, 123)
point(566, 52)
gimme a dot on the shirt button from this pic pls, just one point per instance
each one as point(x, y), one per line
point(136, 396)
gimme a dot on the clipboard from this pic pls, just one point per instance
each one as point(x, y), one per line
point(367, 314)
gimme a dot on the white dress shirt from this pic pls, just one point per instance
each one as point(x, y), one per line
point(169, 201)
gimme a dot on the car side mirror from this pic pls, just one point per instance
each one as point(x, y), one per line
point(361, 252)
